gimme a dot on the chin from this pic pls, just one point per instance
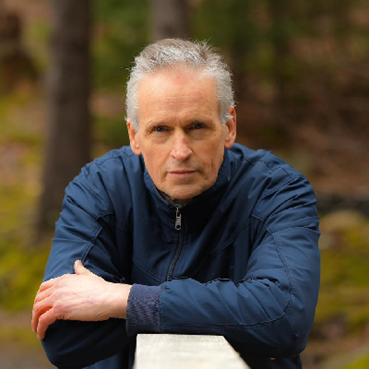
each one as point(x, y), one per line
point(184, 198)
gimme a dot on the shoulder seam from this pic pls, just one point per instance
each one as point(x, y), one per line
point(92, 193)
point(292, 179)
point(117, 154)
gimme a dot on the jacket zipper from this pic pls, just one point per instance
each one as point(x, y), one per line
point(178, 227)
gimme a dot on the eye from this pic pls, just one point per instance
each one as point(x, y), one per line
point(159, 129)
point(198, 125)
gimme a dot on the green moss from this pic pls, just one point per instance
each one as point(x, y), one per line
point(112, 132)
point(342, 266)
point(361, 363)
point(17, 203)
point(38, 37)
point(21, 272)
point(121, 32)
point(17, 129)
point(24, 137)
point(345, 263)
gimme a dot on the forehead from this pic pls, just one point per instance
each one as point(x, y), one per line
point(177, 90)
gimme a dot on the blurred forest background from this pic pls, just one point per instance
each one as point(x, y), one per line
point(301, 71)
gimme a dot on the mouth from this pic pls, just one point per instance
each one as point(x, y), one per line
point(181, 173)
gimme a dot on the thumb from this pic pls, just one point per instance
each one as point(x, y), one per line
point(80, 269)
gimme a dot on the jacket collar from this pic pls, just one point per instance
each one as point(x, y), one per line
point(198, 211)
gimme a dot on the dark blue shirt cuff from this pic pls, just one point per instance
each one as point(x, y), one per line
point(143, 310)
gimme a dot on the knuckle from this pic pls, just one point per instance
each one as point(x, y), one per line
point(42, 287)
point(59, 308)
point(58, 297)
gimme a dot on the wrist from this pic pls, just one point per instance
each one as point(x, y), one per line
point(117, 300)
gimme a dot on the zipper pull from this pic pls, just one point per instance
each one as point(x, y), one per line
point(178, 223)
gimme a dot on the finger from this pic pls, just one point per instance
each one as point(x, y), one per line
point(48, 318)
point(80, 269)
point(39, 308)
point(45, 285)
point(50, 283)
point(42, 295)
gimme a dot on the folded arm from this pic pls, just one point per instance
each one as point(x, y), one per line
point(75, 313)
point(271, 310)
point(82, 296)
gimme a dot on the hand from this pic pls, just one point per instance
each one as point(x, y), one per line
point(83, 296)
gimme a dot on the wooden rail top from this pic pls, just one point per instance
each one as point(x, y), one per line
point(177, 351)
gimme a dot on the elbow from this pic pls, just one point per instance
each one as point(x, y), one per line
point(290, 345)
point(293, 337)
point(61, 348)
point(276, 340)
point(293, 330)
point(279, 339)
point(58, 357)
point(72, 345)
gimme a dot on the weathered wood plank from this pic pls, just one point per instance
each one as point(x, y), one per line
point(168, 351)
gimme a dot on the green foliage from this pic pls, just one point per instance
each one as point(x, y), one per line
point(21, 272)
point(360, 363)
point(110, 132)
point(263, 38)
point(13, 127)
point(345, 264)
point(38, 39)
point(121, 31)
point(21, 267)
point(227, 24)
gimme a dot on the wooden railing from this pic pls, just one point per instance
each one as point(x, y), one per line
point(176, 351)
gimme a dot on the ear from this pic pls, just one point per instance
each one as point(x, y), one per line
point(133, 138)
point(230, 126)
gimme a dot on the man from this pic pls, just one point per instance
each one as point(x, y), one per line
point(183, 232)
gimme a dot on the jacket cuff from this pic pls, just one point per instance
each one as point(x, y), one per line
point(143, 310)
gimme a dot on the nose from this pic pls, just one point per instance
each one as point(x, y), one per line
point(180, 147)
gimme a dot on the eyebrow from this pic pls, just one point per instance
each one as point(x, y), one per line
point(153, 124)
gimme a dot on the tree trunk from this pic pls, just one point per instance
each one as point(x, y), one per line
point(67, 147)
point(170, 19)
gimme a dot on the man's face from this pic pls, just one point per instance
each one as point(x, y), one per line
point(180, 134)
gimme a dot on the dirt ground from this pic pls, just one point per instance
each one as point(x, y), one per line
point(11, 359)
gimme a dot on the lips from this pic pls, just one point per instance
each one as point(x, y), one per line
point(181, 172)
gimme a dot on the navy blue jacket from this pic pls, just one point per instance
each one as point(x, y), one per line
point(240, 260)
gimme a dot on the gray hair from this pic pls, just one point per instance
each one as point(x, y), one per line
point(171, 52)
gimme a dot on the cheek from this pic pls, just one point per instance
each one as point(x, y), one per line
point(215, 160)
point(155, 163)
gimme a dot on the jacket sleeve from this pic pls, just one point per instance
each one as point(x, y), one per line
point(270, 311)
point(85, 231)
